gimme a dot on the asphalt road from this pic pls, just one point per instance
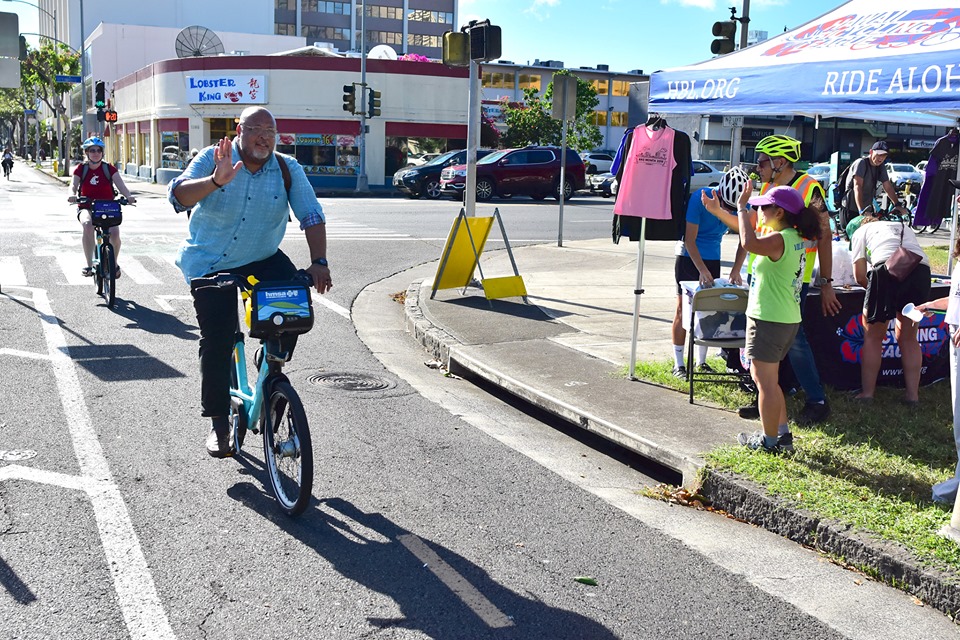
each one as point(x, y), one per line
point(441, 511)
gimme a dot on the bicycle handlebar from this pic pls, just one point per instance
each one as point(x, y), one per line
point(231, 279)
point(86, 200)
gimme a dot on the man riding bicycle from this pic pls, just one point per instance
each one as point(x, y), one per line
point(7, 161)
point(240, 194)
point(96, 179)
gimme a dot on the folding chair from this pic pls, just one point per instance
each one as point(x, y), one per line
point(733, 302)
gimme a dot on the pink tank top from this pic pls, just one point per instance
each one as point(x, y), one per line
point(645, 189)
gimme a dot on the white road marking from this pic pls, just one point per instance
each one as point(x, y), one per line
point(23, 354)
point(163, 301)
point(71, 263)
point(137, 595)
point(333, 306)
point(485, 610)
point(136, 271)
point(11, 271)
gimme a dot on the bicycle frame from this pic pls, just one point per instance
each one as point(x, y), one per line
point(253, 397)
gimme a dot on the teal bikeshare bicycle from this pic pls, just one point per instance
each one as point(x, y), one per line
point(105, 214)
point(271, 406)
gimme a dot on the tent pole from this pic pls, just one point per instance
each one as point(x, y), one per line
point(636, 301)
point(953, 223)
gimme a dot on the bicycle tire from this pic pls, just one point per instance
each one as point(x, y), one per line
point(108, 269)
point(287, 449)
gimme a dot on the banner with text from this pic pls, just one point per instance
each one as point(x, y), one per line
point(224, 89)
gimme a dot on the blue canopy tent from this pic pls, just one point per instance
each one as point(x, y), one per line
point(879, 59)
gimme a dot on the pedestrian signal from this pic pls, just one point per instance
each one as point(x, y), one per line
point(725, 31)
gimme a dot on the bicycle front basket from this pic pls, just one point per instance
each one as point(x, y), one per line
point(106, 213)
point(280, 308)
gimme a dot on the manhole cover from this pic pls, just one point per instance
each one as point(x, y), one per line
point(15, 455)
point(352, 381)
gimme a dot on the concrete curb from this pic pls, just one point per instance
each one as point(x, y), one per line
point(885, 561)
point(741, 498)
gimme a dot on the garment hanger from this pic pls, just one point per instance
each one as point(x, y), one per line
point(656, 122)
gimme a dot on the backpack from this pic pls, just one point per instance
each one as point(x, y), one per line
point(840, 188)
point(106, 172)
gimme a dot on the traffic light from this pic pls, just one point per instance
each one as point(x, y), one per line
point(725, 31)
point(373, 103)
point(485, 43)
point(350, 98)
point(100, 95)
point(23, 48)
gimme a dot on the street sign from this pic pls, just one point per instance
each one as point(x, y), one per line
point(69, 79)
point(733, 121)
point(10, 36)
point(30, 112)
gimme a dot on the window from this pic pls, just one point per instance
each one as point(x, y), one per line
point(497, 79)
point(598, 118)
point(530, 81)
point(380, 11)
point(174, 149)
point(618, 118)
point(325, 33)
point(285, 5)
point(322, 154)
point(284, 29)
point(418, 40)
point(423, 15)
point(620, 88)
point(600, 86)
point(319, 6)
point(539, 156)
point(380, 37)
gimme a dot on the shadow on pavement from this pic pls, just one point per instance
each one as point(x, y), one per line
point(439, 593)
point(153, 321)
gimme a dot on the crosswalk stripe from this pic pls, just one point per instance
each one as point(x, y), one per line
point(71, 263)
point(137, 272)
point(11, 271)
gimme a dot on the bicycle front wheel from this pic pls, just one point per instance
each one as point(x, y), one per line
point(287, 450)
point(108, 269)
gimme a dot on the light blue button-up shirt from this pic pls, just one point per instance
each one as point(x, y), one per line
point(245, 220)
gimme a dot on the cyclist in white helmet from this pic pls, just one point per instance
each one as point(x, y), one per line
point(698, 254)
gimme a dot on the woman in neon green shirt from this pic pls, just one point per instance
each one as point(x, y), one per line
point(773, 310)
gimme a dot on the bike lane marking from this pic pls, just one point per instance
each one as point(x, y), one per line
point(139, 601)
point(329, 304)
point(11, 271)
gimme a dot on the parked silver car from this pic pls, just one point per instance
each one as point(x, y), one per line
point(902, 173)
point(596, 162)
point(820, 173)
point(704, 175)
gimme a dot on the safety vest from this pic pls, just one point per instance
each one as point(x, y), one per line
point(808, 188)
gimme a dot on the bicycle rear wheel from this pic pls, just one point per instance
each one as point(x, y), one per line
point(108, 269)
point(287, 450)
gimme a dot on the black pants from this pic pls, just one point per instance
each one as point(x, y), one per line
point(217, 317)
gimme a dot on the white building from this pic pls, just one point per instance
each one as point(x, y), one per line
point(171, 106)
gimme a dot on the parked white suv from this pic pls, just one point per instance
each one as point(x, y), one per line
point(596, 162)
point(704, 175)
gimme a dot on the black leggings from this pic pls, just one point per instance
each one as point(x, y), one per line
point(216, 309)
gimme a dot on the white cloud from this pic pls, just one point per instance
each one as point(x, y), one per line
point(700, 4)
point(540, 9)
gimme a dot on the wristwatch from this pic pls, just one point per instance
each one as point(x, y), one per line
point(823, 281)
point(321, 262)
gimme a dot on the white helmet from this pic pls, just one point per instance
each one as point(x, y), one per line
point(731, 187)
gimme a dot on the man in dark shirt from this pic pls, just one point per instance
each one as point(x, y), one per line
point(864, 176)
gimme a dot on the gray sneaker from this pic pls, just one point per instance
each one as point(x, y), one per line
point(755, 442)
point(785, 442)
point(680, 372)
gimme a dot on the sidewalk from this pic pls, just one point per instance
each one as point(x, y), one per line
point(568, 351)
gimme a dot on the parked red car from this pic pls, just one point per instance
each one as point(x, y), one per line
point(530, 171)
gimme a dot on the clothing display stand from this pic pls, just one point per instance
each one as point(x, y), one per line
point(953, 226)
point(636, 301)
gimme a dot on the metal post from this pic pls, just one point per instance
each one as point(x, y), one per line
point(473, 129)
point(83, 83)
point(744, 21)
point(563, 158)
point(362, 184)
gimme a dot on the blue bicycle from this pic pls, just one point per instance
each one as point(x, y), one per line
point(105, 214)
point(271, 406)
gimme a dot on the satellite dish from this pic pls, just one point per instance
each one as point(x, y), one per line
point(382, 52)
point(197, 41)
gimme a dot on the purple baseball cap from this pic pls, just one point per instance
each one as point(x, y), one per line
point(787, 198)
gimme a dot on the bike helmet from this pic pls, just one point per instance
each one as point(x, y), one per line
point(731, 187)
point(92, 142)
point(780, 147)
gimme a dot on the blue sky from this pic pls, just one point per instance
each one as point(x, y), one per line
point(627, 34)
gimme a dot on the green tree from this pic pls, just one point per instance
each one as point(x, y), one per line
point(38, 73)
point(531, 123)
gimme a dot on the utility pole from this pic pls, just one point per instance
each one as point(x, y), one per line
point(362, 185)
